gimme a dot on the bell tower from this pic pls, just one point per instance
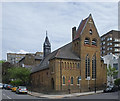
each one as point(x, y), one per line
point(46, 46)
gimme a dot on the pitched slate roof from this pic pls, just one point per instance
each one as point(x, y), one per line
point(81, 27)
point(64, 52)
point(38, 57)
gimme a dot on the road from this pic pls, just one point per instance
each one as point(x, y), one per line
point(7, 94)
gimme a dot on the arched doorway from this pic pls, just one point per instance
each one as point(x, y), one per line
point(52, 83)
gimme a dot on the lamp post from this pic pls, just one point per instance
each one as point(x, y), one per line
point(95, 71)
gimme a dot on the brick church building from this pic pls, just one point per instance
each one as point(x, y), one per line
point(77, 66)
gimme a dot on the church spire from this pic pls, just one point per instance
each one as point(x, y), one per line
point(46, 46)
point(46, 32)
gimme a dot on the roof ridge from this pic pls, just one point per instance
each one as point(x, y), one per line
point(85, 24)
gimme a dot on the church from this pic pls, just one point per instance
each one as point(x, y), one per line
point(75, 67)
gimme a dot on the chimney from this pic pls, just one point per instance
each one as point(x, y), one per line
point(73, 32)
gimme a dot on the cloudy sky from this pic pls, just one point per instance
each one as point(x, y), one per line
point(24, 24)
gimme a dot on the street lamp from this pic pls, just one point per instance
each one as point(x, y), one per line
point(95, 71)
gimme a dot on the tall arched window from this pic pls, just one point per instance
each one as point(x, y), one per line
point(94, 42)
point(63, 80)
point(65, 64)
point(87, 41)
point(68, 65)
point(71, 80)
point(94, 67)
point(78, 81)
point(87, 66)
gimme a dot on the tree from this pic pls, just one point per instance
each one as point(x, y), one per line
point(111, 72)
point(117, 82)
point(5, 66)
point(19, 74)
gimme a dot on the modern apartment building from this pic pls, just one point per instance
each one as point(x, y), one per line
point(14, 57)
point(110, 43)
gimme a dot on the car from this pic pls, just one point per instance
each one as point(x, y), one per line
point(9, 87)
point(21, 89)
point(14, 89)
point(1, 85)
point(5, 86)
point(111, 88)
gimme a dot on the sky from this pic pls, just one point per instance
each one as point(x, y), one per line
point(24, 24)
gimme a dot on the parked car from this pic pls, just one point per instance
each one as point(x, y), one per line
point(1, 85)
point(21, 89)
point(111, 88)
point(9, 87)
point(5, 86)
point(14, 89)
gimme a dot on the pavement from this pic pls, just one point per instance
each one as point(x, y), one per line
point(41, 95)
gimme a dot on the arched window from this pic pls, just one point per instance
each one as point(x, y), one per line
point(68, 65)
point(87, 66)
point(87, 41)
point(78, 65)
point(73, 65)
point(63, 80)
point(94, 67)
point(65, 64)
point(90, 31)
point(71, 80)
point(62, 65)
point(94, 42)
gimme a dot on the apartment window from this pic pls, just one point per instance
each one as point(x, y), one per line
point(71, 80)
point(102, 39)
point(116, 45)
point(110, 44)
point(87, 66)
point(117, 40)
point(116, 49)
point(110, 38)
point(63, 80)
point(103, 52)
point(110, 48)
point(86, 41)
point(103, 43)
point(103, 47)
